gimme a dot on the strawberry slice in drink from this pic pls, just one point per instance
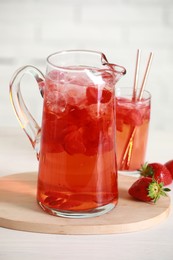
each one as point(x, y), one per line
point(92, 95)
point(78, 116)
point(106, 96)
point(133, 118)
point(91, 137)
point(67, 130)
point(73, 142)
point(97, 94)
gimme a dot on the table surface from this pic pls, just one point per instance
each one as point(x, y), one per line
point(17, 155)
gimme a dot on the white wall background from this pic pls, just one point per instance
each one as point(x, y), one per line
point(32, 29)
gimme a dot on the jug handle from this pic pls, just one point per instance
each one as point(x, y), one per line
point(26, 120)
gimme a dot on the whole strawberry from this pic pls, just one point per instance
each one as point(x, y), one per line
point(147, 190)
point(157, 171)
point(169, 166)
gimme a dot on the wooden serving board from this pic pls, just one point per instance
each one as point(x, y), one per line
point(20, 211)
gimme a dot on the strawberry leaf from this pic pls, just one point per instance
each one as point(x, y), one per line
point(146, 170)
point(156, 190)
point(167, 189)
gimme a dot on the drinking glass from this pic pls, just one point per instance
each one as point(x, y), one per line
point(132, 126)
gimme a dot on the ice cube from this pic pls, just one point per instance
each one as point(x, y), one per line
point(55, 101)
point(75, 95)
point(79, 78)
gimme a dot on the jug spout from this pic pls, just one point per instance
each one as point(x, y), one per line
point(117, 70)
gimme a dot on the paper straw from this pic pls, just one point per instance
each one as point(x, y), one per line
point(127, 153)
point(145, 76)
point(138, 55)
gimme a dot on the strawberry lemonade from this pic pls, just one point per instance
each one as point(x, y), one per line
point(132, 124)
point(77, 164)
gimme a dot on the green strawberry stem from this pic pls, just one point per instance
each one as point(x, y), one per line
point(156, 190)
point(146, 170)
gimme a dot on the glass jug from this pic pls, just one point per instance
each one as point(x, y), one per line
point(75, 145)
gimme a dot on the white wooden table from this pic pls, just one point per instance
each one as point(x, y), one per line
point(16, 156)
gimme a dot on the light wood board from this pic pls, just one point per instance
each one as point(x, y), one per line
point(20, 211)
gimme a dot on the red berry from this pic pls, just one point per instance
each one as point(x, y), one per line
point(169, 166)
point(157, 171)
point(147, 190)
point(139, 189)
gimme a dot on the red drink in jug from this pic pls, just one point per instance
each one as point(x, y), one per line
point(77, 164)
